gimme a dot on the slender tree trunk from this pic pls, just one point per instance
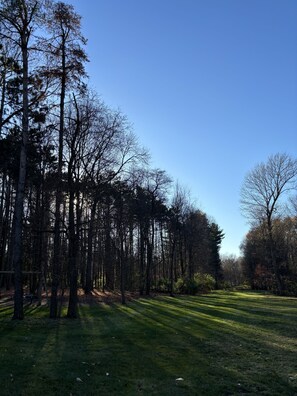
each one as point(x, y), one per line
point(181, 256)
point(130, 259)
point(108, 256)
point(2, 102)
point(7, 257)
point(89, 269)
point(150, 249)
point(41, 246)
point(3, 189)
point(163, 253)
point(20, 193)
point(142, 251)
point(172, 266)
point(72, 260)
point(122, 266)
point(2, 251)
point(150, 252)
point(56, 270)
point(5, 225)
point(122, 259)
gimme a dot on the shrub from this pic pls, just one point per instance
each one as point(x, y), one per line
point(199, 284)
point(186, 286)
point(163, 285)
point(205, 282)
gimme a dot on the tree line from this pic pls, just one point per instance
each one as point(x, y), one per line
point(269, 201)
point(80, 206)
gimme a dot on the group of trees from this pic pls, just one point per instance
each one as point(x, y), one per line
point(270, 247)
point(79, 205)
point(233, 271)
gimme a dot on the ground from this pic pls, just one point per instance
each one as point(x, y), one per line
point(223, 343)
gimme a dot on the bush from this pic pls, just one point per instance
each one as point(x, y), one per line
point(186, 286)
point(205, 282)
point(163, 285)
point(201, 283)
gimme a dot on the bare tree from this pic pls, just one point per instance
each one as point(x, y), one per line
point(262, 195)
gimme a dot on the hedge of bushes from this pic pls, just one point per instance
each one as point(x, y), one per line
point(200, 283)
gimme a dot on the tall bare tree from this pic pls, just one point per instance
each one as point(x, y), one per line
point(262, 195)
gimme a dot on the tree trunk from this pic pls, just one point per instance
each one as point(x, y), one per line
point(57, 227)
point(89, 269)
point(122, 266)
point(19, 201)
point(108, 259)
point(5, 224)
point(142, 251)
point(172, 266)
point(72, 261)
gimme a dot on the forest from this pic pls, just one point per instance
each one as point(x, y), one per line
point(80, 206)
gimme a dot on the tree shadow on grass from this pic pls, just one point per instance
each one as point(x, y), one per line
point(237, 347)
point(143, 348)
point(22, 345)
point(263, 316)
point(145, 357)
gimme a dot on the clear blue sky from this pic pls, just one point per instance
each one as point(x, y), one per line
point(210, 87)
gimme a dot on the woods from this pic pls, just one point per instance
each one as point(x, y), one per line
point(80, 206)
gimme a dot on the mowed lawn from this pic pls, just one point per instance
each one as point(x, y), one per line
point(223, 343)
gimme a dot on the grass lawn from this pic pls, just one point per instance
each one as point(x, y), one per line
point(224, 343)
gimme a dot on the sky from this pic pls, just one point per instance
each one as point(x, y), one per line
point(210, 87)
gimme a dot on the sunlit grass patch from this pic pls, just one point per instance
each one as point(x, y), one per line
point(216, 344)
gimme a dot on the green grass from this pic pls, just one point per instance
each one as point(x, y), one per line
point(224, 343)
